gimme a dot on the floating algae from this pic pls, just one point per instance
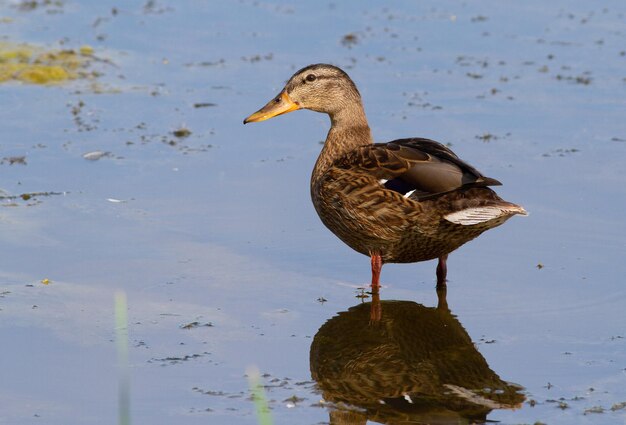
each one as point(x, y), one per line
point(35, 65)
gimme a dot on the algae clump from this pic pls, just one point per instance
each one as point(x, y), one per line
point(34, 65)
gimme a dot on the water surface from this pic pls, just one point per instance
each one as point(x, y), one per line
point(215, 225)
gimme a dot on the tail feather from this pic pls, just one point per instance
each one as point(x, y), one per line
point(476, 215)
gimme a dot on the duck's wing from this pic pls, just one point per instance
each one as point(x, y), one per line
point(417, 168)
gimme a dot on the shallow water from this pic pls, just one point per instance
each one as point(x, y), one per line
point(217, 227)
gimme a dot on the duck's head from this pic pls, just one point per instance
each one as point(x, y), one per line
point(321, 88)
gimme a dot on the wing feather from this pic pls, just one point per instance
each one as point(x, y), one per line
point(421, 168)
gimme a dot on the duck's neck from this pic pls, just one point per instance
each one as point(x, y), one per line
point(348, 131)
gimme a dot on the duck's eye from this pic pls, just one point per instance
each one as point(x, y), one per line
point(277, 100)
point(310, 78)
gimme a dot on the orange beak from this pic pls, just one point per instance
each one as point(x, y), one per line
point(278, 106)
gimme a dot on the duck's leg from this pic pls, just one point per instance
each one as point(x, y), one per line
point(442, 302)
point(376, 310)
point(442, 271)
point(377, 265)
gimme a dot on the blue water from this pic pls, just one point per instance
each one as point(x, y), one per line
point(218, 227)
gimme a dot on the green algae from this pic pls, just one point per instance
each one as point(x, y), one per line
point(35, 65)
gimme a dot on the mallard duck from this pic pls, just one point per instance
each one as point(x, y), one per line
point(404, 201)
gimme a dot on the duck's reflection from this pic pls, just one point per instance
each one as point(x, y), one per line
point(398, 362)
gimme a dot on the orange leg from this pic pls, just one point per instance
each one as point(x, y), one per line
point(377, 265)
point(442, 271)
point(376, 310)
point(442, 302)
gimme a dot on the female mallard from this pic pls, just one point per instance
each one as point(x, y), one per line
point(399, 202)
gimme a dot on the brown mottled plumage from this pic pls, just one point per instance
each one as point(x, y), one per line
point(399, 202)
